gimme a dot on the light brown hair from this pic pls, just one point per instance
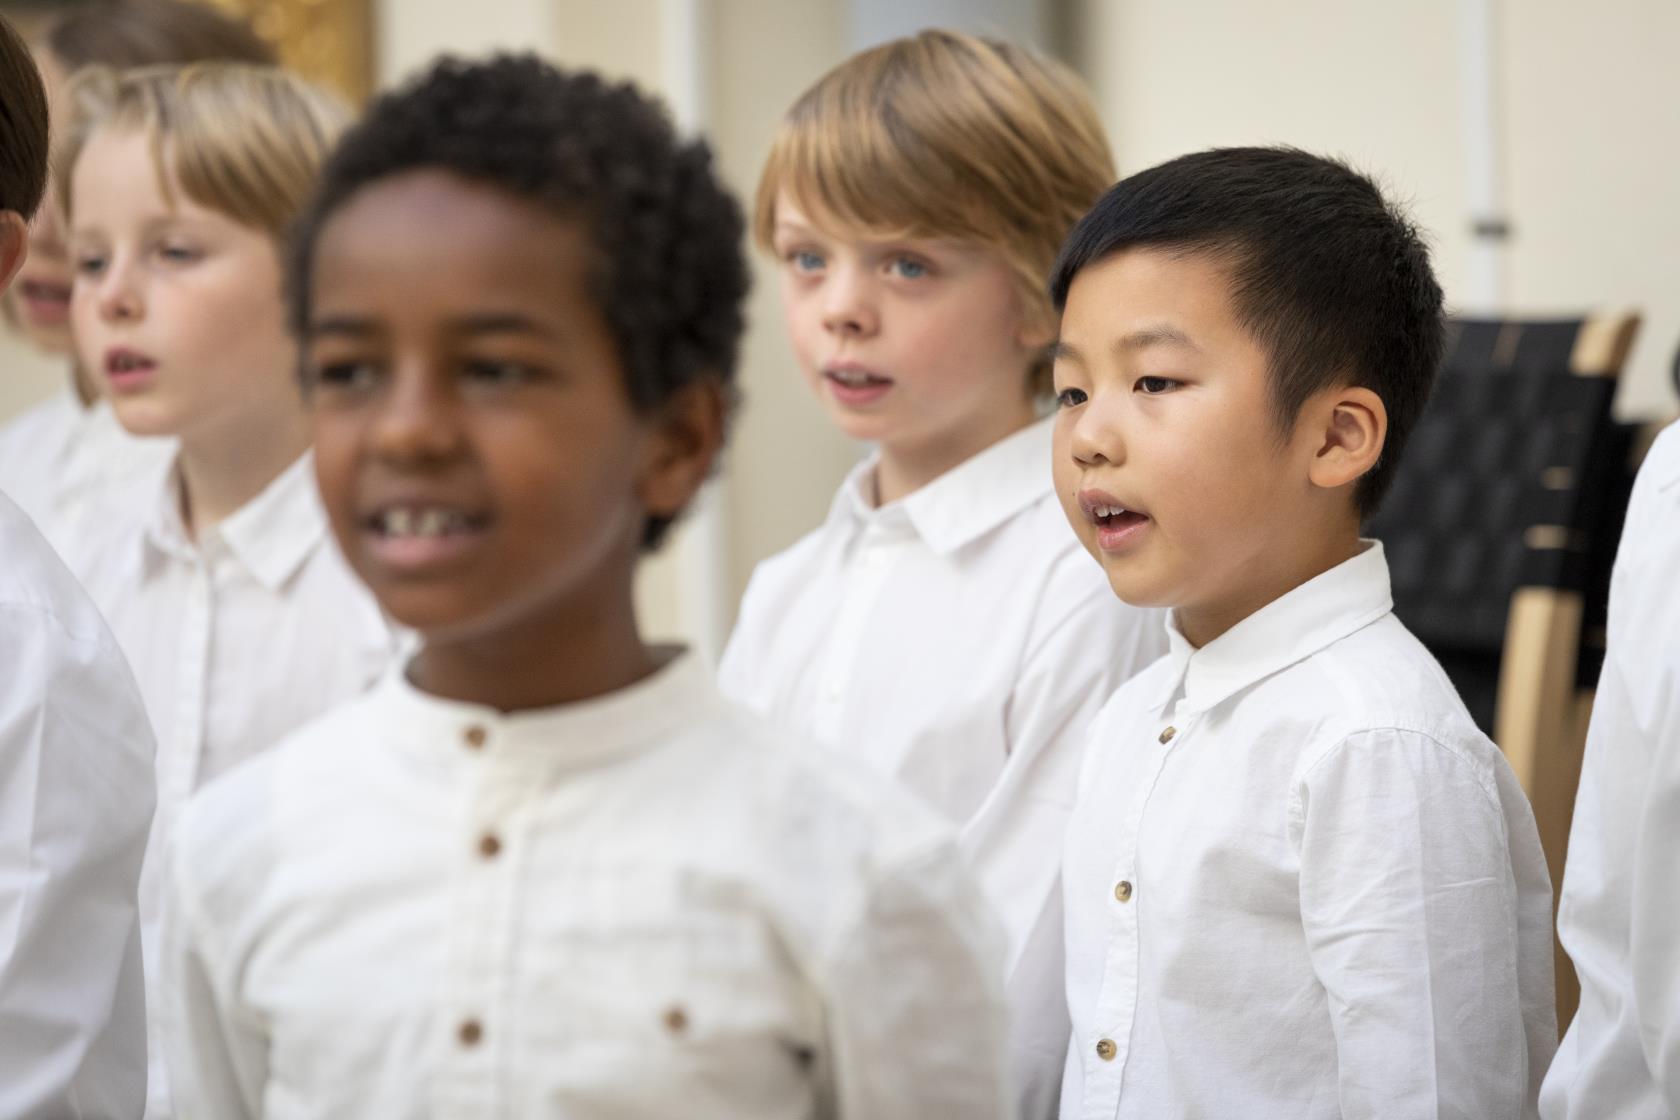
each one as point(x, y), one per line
point(245, 141)
point(945, 135)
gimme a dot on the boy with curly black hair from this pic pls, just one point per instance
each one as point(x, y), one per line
point(545, 870)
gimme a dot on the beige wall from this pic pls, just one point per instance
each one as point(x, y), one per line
point(1590, 100)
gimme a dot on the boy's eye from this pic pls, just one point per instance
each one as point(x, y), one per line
point(498, 373)
point(1154, 386)
point(89, 264)
point(1070, 398)
point(178, 254)
point(803, 260)
point(345, 375)
point(908, 268)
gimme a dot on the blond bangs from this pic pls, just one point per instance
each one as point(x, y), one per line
point(246, 141)
point(948, 136)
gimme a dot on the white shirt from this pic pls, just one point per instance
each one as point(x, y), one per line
point(76, 799)
point(59, 458)
point(960, 641)
point(1300, 883)
point(236, 640)
point(640, 907)
point(1619, 911)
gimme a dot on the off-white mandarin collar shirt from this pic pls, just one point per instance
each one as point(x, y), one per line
point(959, 640)
point(236, 638)
point(1619, 910)
point(1300, 883)
point(75, 803)
point(59, 459)
point(640, 907)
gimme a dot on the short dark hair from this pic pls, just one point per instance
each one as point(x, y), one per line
point(126, 34)
point(670, 273)
point(1327, 275)
point(23, 126)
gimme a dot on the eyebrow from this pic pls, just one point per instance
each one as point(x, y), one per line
point(1142, 339)
point(353, 326)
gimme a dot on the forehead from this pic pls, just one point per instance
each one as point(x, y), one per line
point(1152, 294)
point(434, 239)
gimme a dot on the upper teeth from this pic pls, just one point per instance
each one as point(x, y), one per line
point(1107, 511)
point(852, 376)
point(405, 522)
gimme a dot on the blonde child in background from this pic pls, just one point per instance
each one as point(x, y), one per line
point(75, 770)
point(943, 624)
point(58, 457)
point(217, 572)
point(543, 869)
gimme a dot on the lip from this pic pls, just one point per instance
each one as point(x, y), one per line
point(128, 370)
point(1117, 535)
point(411, 555)
point(46, 302)
point(844, 385)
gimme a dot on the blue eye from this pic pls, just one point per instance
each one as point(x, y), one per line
point(909, 268)
point(1070, 398)
point(803, 260)
point(178, 254)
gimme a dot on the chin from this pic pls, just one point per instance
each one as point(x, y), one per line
point(142, 416)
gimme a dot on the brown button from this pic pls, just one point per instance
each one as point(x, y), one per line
point(1167, 735)
point(489, 846)
point(676, 1020)
point(1106, 1049)
point(471, 1032)
point(474, 737)
point(1123, 891)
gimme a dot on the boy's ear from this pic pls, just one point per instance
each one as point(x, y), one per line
point(1351, 427)
point(684, 444)
point(14, 245)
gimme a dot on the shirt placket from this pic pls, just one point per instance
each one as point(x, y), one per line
point(184, 760)
point(1105, 1063)
point(478, 1008)
point(875, 556)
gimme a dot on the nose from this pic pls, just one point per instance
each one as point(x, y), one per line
point(419, 418)
point(118, 293)
point(1097, 437)
point(849, 306)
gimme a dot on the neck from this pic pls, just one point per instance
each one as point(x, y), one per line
point(581, 651)
point(223, 469)
point(86, 391)
point(905, 468)
point(1203, 623)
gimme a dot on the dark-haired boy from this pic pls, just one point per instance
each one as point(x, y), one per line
point(76, 788)
point(545, 870)
point(1299, 882)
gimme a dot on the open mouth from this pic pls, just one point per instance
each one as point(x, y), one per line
point(1117, 526)
point(418, 538)
point(424, 523)
point(128, 369)
point(854, 385)
point(45, 301)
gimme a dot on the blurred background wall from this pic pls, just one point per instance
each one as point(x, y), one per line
point(1585, 98)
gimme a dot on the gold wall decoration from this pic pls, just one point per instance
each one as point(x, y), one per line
point(330, 41)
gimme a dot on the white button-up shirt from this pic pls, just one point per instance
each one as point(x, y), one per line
point(76, 799)
point(59, 459)
point(1619, 911)
point(959, 640)
point(639, 907)
point(236, 639)
point(1300, 883)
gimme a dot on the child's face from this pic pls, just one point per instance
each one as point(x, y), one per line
point(1165, 414)
point(176, 307)
point(40, 297)
point(911, 344)
point(476, 447)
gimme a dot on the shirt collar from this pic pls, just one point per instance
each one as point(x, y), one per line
point(967, 501)
point(1291, 628)
point(271, 535)
point(576, 736)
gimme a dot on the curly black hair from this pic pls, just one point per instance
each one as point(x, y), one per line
point(671, 272)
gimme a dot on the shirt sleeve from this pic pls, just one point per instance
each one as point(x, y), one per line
point(916, 1015)
point(1421, 930)
point(218, 1054)
point(1654, 921)
point(76, 798)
